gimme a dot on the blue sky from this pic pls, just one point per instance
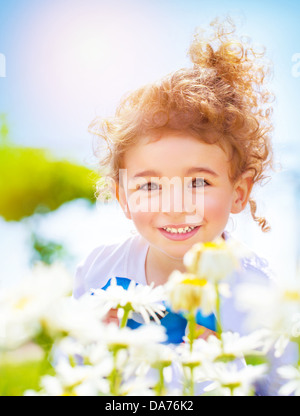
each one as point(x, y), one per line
point(70, 60)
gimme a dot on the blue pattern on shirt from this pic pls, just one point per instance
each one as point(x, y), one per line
point(175, 323)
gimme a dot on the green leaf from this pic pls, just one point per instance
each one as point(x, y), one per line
point(255, 359)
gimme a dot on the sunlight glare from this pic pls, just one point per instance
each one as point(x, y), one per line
point(89, 50)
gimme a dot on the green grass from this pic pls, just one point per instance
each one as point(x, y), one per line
point(15, 379)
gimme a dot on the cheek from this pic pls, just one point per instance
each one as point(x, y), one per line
point(143, 220)
point(217, 205)
point(141, 203)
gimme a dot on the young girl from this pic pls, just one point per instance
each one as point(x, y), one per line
point(204, 129)
point(184, 153)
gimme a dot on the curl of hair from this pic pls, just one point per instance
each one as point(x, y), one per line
point(221, 99)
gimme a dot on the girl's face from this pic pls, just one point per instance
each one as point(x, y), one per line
point(177, 191)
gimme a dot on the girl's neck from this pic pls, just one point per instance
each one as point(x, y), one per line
point(158, 266)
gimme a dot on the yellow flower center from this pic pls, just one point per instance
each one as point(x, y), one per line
point(194, 281)
point(22, 302)
point(214, 245)
point(292, 295)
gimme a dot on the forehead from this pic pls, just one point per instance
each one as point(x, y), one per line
point(173, 153)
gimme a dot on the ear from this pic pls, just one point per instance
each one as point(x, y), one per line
point(122, 198)
point(242, 190)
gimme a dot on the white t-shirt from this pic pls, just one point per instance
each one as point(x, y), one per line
point(125, 259)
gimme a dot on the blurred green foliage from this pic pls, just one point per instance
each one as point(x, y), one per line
point(18, 377)
point(47, 251)
point(32, 180)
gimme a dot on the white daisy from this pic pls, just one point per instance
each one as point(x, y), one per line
point(133, 338)
point(77, 380)
point(146, 350)
point(144, 299)
point(137, 386)
point(203, 350)
point(213, 261)
point(22, 305)
point(256, 343)
point(292, 374)
point(274, 307)
point(231, 379)
point(187, 292)
point(75, 318)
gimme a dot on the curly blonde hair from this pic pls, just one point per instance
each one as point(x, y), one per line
point(221, 99)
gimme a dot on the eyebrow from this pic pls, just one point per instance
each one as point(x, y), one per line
point(146, 173)
point(154, 173)
point(202, 169)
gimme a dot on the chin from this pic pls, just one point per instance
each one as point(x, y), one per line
point(177, 254)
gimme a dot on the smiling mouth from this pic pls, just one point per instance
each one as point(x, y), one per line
point(179, 233)
point(180, 230)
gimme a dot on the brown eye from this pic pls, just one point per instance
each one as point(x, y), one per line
point(149, 186)
point(198, 183)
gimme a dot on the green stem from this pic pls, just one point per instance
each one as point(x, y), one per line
point(192, 385)
point(218, 311)
point(189, 385)
point(160, 385)
point(191, 382)
point(127, 308)
point(114, 377)
point(192, 326)
point(191, 329)
point(185, 383)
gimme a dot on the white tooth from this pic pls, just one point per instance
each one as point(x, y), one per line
point(179, 230)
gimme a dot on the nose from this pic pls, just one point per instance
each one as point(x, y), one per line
point(176, 200)
point(172, 200)
point(179, 202)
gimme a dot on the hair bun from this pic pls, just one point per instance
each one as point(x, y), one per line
point(234, 59)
